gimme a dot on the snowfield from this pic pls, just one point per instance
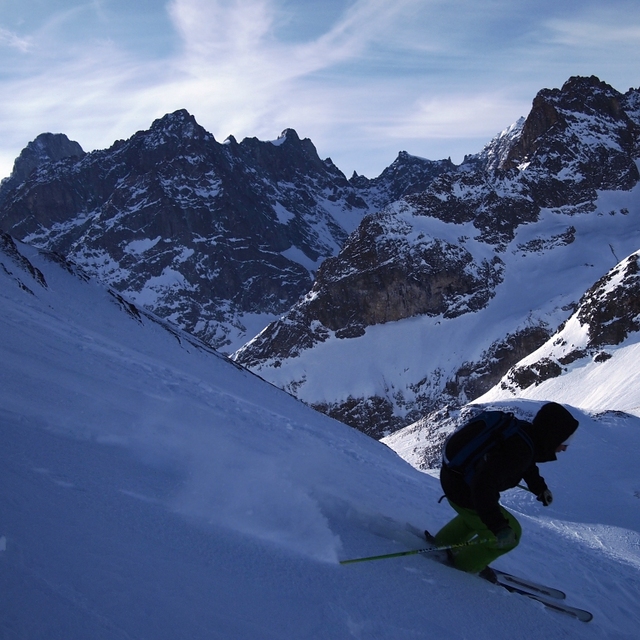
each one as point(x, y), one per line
point(150, 488)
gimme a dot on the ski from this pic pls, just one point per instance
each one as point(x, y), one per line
point(506, 579)
point(551, 603)
point(548, 596)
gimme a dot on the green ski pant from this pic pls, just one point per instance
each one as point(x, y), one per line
point(466, 526)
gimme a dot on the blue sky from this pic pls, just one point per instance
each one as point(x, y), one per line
point(363, 79)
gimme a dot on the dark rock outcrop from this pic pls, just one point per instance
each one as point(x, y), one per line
point(46, 148)
point(384, 273)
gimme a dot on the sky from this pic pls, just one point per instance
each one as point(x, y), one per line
point(363, 79)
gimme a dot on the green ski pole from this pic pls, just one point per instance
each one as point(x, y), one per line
point(412, 552)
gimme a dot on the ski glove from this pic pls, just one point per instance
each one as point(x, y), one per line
point(506, 538)
point(546, 497)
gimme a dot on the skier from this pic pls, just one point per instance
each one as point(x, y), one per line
point(475, 494)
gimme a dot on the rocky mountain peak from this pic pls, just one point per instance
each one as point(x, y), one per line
point(287, 157)
point(559, 109)
point(550, 153)
point(288, 135)
point(47, 147)
point(406, 175)
point(589, 95)
point(495, 155)
point(179, 124)
point(541, 119)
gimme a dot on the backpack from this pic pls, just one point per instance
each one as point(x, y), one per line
point(473, 441)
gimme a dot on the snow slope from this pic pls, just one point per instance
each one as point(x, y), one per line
point(151, 489)
point(594, 386)
point(598, 347)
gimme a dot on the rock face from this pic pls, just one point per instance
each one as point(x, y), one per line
point(46, 148)
point(406, 175)
point(608, 313)
point(385, 272)
point(218, 238)
point(475, 251)
point(587, 116)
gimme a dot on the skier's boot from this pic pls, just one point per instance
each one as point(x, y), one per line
point(445, 556)
point(489, 574)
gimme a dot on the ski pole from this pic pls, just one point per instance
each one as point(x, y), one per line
point(412, 552)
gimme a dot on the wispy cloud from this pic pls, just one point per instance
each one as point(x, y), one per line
point(10, 39)
point(239, 37)
point(451, 116)
point(236, 26)
point(603, 29)
point(232, 65)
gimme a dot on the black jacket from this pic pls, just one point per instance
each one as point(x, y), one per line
point(510, 462)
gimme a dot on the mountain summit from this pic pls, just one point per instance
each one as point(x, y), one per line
point(46, 148)
point(208, 235)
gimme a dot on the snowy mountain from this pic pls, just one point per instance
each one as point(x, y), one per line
point(406, 175)
point(591, 362)
point(431, 280)
point(149, 488)
point(594, 355)
point(434, 298)
point(218, 238)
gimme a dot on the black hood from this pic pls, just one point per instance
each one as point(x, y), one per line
point(552, 425)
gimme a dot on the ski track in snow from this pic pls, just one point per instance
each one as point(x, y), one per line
point(149, 488)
